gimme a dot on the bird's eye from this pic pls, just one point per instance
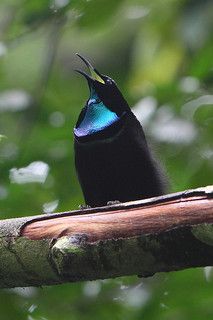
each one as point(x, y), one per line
point(109, 81)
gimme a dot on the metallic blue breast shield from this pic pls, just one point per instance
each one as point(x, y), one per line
point(97, 117)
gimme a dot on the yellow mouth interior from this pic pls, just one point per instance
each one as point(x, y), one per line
point(95, 76)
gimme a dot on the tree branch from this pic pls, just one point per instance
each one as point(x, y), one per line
point(171, 232)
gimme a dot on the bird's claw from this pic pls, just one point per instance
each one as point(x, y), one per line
point(83, 206)
point(113, 202)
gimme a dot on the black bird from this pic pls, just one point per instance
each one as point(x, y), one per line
point(112, 158)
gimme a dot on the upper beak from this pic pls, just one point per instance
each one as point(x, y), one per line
point(94, 74)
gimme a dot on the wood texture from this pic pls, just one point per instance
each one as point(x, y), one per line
point(133, 220)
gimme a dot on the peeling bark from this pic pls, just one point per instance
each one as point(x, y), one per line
point(166, 233)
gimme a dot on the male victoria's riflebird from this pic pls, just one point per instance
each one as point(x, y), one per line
point(112, 158)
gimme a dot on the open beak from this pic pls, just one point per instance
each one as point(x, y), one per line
point(94, 74)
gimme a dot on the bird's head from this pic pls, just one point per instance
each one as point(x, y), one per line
point(105, 105)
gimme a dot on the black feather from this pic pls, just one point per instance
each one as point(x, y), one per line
point(115, 163)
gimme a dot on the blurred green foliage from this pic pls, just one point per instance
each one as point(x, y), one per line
point(160, 54)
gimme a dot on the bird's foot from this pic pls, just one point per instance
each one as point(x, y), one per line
point(83, 206)
point(113, 202)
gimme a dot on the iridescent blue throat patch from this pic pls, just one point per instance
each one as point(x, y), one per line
point(97, 117)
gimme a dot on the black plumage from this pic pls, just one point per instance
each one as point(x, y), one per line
point(113, 162)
